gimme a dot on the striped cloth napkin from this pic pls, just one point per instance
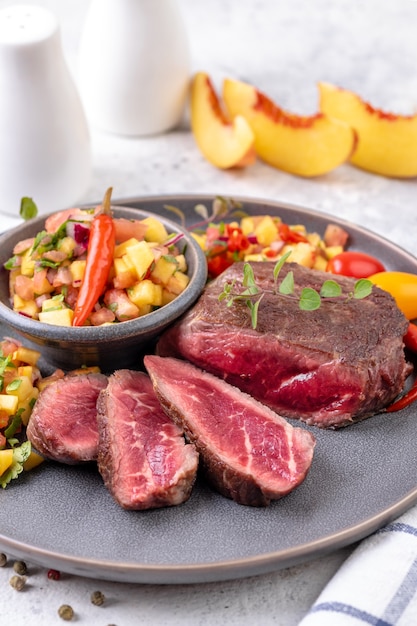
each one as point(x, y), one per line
point(377, 584)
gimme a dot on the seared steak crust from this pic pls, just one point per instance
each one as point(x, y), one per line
point(329, 367)
point(248, 452)
point(143, 457)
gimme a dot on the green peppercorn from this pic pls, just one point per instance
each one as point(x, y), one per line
point(3, 559)
point(20, 568)
point(97, 598)
point(17, 582)
point(66, 612)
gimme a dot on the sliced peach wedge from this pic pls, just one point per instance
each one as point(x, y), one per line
point(387, 143)
point(225, 141)
point(305, 146)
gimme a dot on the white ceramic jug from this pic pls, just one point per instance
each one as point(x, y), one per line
point(45, 144)
point(134, 66)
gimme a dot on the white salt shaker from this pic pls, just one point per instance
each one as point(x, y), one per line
point(44, 138)
point(134, 66)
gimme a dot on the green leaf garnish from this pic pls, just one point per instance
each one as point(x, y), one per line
point(363, 288)
point(12, 263)
point(249, 280)
point(201, 210)
point(28, 208)
point(287, 285)
point(14, 425)
point(278, 265)
point(170, 258)
point(15, 384)
point(310, 299)
point(253, 307)
point(20, 455)
point(177, 211)
point(330, 289)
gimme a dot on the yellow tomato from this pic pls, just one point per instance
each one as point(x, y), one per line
point(403, 288)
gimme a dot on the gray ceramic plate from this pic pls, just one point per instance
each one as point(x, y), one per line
point(361, 478)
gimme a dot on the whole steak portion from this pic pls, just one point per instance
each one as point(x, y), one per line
point(248, 452)
point(63, 423)
point(329, 367)
point(143, 457)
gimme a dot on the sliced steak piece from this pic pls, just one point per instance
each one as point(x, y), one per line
point(63, 423)
point(143, 457)
point(249, 453)
point(329, 367)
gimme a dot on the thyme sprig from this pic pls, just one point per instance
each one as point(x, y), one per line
point(309, 299)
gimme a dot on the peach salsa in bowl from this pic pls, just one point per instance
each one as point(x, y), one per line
point(93, 286)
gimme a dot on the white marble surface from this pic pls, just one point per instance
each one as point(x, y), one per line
point(283, 47)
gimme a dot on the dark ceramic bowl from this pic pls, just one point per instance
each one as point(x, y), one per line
point(110, 347)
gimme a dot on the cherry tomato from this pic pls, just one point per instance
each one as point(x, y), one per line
point(403, 288)
point(356, 264)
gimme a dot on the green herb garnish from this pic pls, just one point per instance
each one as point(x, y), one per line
point(221, 208)
point(28, 208)
point(309, 299)
point(20, 455)
point(14, 425)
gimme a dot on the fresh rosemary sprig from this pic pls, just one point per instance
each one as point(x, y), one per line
point(309, 299)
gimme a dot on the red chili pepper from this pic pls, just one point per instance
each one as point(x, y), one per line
point(237, 241)
point(410, 338)
point(99, 260)
point(287, 234)
point(217, 264)
point(406, 400)
point(410, 342)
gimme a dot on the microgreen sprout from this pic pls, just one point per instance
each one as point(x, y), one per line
point(220, 209)
point(309, 299)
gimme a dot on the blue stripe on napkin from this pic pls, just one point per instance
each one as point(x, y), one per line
point(398, 527)
point(403, 595)
point(346, 609)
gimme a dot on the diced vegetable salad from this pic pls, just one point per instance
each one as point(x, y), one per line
point(148, 269)
point(19, 379)
point(267, 238)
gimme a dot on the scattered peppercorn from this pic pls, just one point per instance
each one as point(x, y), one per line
point(17, 582)
point(97, 598)
point(53, 574)
point(3, 559)
point(20, 568)
point(66, 612)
